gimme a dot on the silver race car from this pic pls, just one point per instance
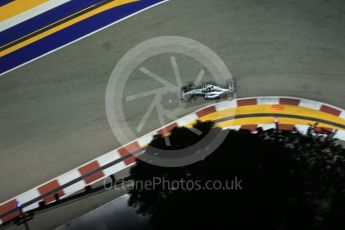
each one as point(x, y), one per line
point(207, 91)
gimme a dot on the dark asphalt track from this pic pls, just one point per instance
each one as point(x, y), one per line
point(52, 111)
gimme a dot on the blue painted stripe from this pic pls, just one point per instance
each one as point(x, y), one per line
point(44, 20)
point(4, 2)
point(70, 34)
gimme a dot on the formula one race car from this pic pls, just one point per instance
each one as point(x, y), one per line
point(207, 91)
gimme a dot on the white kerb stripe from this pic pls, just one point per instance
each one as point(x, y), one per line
point(268, 101)
point(340, 135)
point(144, 140)
point(15, 20)
point(237, 127)
point(106, 159)
point(187, 119)
point(302, 128)
point(310, 104)
point(226, 105)
point(267, 126)
point(68, 177)
point(112, 155)
point(28, 196)
point(342, 115)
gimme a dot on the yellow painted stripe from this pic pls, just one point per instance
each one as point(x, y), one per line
point(268, 120)
point(65, 25)
point(16, 7)
point(282, 109)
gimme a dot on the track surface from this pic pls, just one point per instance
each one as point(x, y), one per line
point(52, 112)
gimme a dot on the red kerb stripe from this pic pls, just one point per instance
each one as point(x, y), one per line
point(206, 111)
point(251, 128)
point(166, 130)
point(286, 127)
point(6, 208)
point(245, 102)
point(50, 186)
point(89, 168)
point(330, 110)
point(289, 101)
point(126, 150)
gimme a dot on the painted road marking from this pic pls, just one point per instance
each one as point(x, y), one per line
point(26, 15)
point(73, 33)
point(4, 2)
point(71, 20)
point(44, 19)
point(269, 119)
point(17, 7)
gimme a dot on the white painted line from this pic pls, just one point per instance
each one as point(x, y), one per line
point(88, 35)
point(22, 17)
